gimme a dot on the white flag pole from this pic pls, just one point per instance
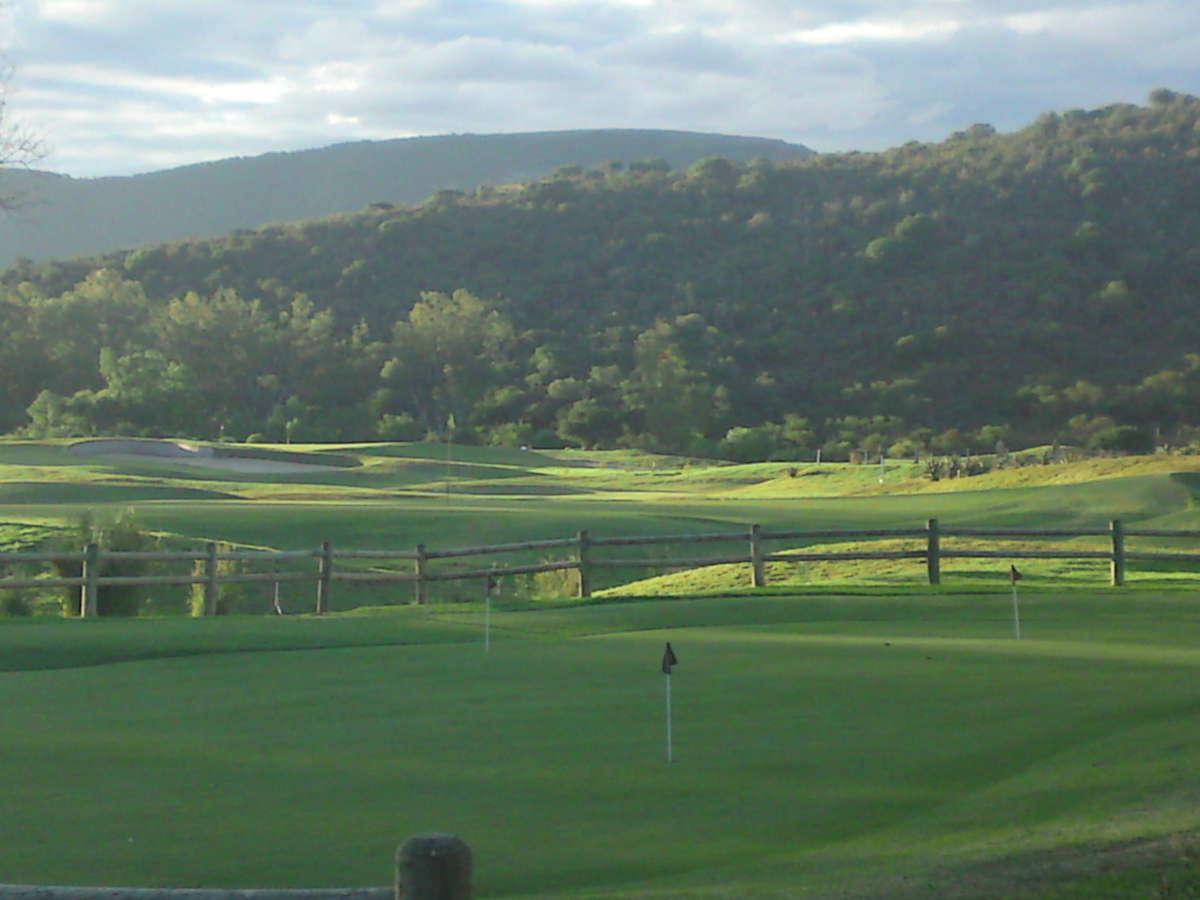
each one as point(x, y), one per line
point(669, 748)
point(1016, 613)
point(668, 660)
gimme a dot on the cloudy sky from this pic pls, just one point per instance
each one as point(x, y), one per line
point(123, 86)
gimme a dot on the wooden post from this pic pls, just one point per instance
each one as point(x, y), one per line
point(419, 572)
point(933, 551)
point(585, 575)
point(758, 573)
point(433, 867)
point(210, 579)
point(89, 599)
point(1117, 565)
point(324, 577)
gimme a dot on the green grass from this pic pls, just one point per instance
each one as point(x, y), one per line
point(399, 495)
point(846, 732)
point(855, 746)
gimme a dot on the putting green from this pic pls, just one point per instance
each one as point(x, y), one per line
point(862, 745)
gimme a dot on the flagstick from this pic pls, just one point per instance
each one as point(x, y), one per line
point(487, 615)
point(668, 660)
point(669, 754)
point(1016, 613)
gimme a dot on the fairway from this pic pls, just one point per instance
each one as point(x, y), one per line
point(830, 745)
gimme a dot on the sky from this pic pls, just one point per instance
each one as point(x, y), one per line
point(116, 87)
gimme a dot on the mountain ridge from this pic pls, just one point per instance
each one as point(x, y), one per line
point(66, 217)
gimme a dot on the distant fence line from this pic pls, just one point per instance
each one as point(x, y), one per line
point(583, 560)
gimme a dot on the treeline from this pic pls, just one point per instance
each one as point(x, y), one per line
point(1020, 288)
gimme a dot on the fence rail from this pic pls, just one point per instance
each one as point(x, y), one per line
point(325, 571)
point(432, 866)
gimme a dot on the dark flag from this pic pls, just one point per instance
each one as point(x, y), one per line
point(1013, 575)
point(668, 659)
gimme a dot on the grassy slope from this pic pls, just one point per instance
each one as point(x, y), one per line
point(849, 746)
point(404, 494)
point(894, 743)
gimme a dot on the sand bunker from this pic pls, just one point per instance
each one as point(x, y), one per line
point(152, 451)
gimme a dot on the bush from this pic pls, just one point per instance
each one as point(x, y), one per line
point(1122, 439)
point(557, 584)
point(401, 427)
point(546, 439)
point(122, 533)
point(15, 603)
point(745, 445)
point(230, 597)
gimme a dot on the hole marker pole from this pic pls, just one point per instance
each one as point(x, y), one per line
point(669, 748)
point(668, 660)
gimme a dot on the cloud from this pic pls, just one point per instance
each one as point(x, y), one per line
point(130, 85)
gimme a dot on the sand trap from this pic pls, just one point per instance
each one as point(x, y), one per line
point(152, 451)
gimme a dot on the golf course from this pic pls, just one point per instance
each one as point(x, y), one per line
point(848, 730)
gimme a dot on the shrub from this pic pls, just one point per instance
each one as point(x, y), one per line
point(559, 583)
point(745, 445)
point(556, 585)
point(230, 597)
point(122, 533)
point(401, 427)
point(15, 603)
point(1122, 439)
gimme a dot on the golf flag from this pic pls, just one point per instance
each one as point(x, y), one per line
point(1013, 575)
point(668, 659)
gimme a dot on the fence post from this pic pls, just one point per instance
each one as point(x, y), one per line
point(210, 579)
point(433, 867)
point(585, 575)
point(1117, 565)
point(419, 572)
point(324, 577)
point(758, 574)
point(933, 551)
point(89, 600)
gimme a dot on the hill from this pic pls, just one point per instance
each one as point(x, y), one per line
point(988, 291)
point(67, 217)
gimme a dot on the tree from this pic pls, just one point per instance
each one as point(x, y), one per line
point(742, 444)
point(446, 356)
point(226, 344)
point(589, 423)
point(18, 146)
point(671, 384)
point(1122, 439)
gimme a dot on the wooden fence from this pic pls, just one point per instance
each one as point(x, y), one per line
point(433, 866)
point(583, 559)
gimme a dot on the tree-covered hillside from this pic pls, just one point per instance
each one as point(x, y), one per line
point(64, 216)
point(1022, 287)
